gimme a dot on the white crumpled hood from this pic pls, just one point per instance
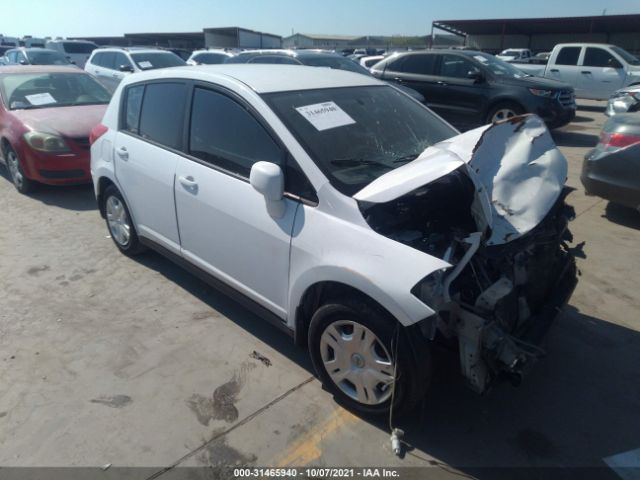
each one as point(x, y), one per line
point(516, 167)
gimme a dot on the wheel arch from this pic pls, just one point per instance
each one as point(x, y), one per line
point(4, 143)
point(497, 101)
point(322, 291)
point(102, 184)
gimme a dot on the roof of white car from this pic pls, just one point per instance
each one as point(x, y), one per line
point(263, 78)
point(131, 50)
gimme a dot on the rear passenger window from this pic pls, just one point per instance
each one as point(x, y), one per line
point(225, 134)
point(120, 60)
point(455, 66)
point(568, 56)
point(416, 64)
point(107, 60)
point(97, 59)
point(162, 113)
point(133, 103)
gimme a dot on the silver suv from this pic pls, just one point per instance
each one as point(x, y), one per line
point(111, 65)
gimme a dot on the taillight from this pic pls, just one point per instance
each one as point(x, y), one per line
point(97, 132)
point(618, 140)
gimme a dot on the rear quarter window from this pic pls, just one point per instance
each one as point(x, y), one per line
point(568, 56)
point(156, 112)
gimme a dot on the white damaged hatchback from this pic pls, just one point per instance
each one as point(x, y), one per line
point(346, 213)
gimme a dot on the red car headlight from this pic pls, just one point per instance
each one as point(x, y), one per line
point(46, 142)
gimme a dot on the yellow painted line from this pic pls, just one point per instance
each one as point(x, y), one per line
point(307, 449)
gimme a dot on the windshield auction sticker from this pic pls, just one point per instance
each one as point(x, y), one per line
point(325, 115)
point(40, 99)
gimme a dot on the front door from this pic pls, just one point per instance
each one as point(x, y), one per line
point(225, 228)
point(461, 99)
point(601, 74)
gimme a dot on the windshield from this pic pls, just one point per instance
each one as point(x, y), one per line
point(152, 60)
point(210, 58)
point(357, 134)
point(46, 58)
point(46, 90)
point(79, 47)
point(497, 66)
point(626, 56)
point(339, 63)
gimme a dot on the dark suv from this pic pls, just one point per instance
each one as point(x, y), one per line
point(470, 88)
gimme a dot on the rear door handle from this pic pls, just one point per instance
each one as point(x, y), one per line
point(123, 153)
point(554, 70)
point(188, 182)
point(440, 82)
point(397, 79)
point(585, 72)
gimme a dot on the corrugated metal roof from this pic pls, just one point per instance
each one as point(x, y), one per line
point(548, 25)
point(319, 36)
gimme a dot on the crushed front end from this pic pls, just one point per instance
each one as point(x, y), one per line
point(500, 220)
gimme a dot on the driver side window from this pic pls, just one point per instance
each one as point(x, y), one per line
point(456, 66)
point(225, 134)
point(599, 57)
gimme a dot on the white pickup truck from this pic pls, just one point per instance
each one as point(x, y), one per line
point(595, 70)
point(515, 55)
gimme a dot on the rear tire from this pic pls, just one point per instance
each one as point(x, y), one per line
point(352, 343)
point(504, 111)
point(123, 232)
point(23, 184)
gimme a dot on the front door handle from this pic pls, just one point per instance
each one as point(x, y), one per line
point(440, 82)
point(398, 80)
point(554, 70)
point(585, 72)
point(123, 153)
point(188, 182)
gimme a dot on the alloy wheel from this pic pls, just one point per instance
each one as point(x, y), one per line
point(357, 362)
point(118, 220)
point(502, 114)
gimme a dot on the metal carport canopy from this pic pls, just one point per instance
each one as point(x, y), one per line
point(532, 26)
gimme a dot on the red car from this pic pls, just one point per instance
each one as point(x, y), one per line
point(46, 116)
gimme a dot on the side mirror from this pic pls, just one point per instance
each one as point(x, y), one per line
point(268, 180)
point(475, 75)
point(614, 63)
point(125, 68)
point(23, 62)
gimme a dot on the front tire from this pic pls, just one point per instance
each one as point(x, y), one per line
point(123, 232)
point(504, 111)
point(352, 345)
point(23, 184)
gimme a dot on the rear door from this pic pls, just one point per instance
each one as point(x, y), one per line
point(601, 74)
point(225, 228)
point(147, 149)
point(102, 68)
point(460, 99)
point(416, 71)
point(564, 67)
point(120, 61)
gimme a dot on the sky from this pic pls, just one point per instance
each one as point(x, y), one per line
point(70, 18)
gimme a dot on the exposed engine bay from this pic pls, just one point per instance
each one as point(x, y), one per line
point(499, 297)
